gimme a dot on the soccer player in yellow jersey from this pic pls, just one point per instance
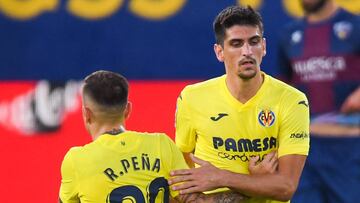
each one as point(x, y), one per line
point(230, 120)
point(119, 165)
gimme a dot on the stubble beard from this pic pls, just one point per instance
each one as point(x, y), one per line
point(246, 77)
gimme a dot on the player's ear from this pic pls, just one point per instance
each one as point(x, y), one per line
point(88, 115)
point(127, 110)
point(219, 52)
point(264, 46)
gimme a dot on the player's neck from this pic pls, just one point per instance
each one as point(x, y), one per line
point(323, 14)
point(112, 129)
point(244, 90)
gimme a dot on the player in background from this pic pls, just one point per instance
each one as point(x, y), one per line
point(121, 165)
point(320, 54)
point(229, 120)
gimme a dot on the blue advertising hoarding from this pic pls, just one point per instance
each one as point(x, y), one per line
point(57, 41)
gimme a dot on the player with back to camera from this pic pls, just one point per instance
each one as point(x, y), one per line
point(121, 165)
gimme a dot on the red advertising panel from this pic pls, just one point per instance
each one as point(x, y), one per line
point(40, 121)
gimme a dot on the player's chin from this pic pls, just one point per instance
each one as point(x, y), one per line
point(247, 74)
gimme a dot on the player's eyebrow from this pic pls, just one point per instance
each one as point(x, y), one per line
point(241, 39)
point(255, 37)
point(236, 40)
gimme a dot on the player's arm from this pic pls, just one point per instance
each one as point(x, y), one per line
point(222, 197)
point(279, 185)
point(352, 102)
point(185, 132)
point(268, 165)
point(188, 160)
point(69, 184)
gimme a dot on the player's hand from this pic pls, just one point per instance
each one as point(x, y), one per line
point(205, 177)
point(352, 102)
point(267, 166)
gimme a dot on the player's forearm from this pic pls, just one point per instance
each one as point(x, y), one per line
point(352, 102)
point(222, 197)
point(274, 186)
point(188, 160)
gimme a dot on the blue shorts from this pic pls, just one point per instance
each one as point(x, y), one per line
point(332, 171)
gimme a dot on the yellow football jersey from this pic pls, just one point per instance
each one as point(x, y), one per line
point(222, 130)
point(127, 167)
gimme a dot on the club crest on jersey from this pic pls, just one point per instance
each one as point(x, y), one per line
point(266, 118)
point(342, 29)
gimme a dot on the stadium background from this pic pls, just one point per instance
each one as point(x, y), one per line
point(47, 47)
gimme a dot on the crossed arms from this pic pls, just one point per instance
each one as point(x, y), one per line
point(279, 185)
point(222, 197)
point(191, 191)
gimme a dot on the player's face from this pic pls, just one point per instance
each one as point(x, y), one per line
point(312, 6)
point(242, 51)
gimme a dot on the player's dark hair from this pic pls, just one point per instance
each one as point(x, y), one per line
point(107, 89)
point(235, 15)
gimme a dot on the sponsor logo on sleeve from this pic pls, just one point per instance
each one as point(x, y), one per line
point(299, 135)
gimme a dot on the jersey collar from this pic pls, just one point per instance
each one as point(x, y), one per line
point(236, 103)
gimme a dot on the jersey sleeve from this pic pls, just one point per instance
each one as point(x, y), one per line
point(173, 158)
point(294, 127)
point(69, 183)
point(185, 132)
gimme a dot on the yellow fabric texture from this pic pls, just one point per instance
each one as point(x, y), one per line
point(220, 129)
point(130, 166)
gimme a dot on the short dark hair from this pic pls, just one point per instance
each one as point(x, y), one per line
point(235, 15)
point(107, 89)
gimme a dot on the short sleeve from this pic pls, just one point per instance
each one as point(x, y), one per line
point(294, 137)
point(69, 183)
point(173, 158)
point(185, 132)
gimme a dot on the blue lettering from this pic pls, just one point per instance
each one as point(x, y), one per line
point(135, 163)
point(272, 142)
point(126, 165)
point(266, 144)
point(256, 145)
point(230, 144)
point(245, 145)
point(217, 142)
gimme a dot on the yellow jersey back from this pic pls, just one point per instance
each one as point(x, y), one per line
point(129, 166)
